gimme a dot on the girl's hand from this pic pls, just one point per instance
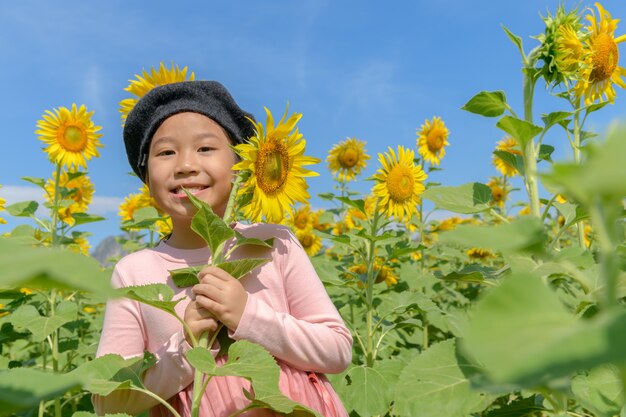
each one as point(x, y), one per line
point(199, 321)
point(222, 295)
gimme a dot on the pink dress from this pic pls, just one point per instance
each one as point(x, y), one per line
point(288, 312)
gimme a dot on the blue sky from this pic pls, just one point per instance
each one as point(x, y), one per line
point(359, 69)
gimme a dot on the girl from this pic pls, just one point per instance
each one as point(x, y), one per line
point(179, 135)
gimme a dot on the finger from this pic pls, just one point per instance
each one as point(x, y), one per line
point(211, 305)
point(218, 273)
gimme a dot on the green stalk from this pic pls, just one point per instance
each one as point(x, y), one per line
point(576, 148)
point(369, 291)
point(55, 209)
point(55, 350)
point(609, 267)
point(199, 385)
point(529, 151)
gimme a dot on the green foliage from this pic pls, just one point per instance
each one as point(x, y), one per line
point(186, 277)
point(487, 103)
point(437, 382)
point(21, 388)
point(468, 198)
point(250, 361)
point(520, 130)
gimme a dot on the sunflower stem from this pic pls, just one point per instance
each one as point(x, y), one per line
point(580, 227)
point(530, 154)
point(55, 208)
point(369, 289)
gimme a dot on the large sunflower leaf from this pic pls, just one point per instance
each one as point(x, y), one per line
point(33, 267)
point(23, 388)
point(521, 130)
point(253, 362)
point(600, 390)
point(27, 317)
point(365, 390)
point(523, 234)
point(523, 335)
point(23, 208)
point(468, 198)
point(155, 295)
point(107, 373)
point(437, 383)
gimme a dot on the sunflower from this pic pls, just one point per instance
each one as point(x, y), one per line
point(347, 159)
point(399, 183)
point(601, 70)
point(146, 200)
point(2, 203)
point(432, 140)
point(499, 192)
point(274, 157)
point(80, 245)
point(148, 81)
point(315, 220)
point(71, 136)
point(509, 145)
point(130, 205)
point(301, 219)
point(164, 226)
point(73, 185)
point(311, 242)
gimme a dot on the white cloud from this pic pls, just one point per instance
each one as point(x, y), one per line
point(100, 205)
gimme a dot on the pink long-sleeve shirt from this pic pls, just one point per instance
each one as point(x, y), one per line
point(288, 312)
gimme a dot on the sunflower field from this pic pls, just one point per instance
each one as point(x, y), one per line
point(461, 301)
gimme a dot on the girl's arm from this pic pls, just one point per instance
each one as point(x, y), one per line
point(123, 333)
point(311, 336)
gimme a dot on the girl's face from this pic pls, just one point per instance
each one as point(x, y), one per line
point(192, 151)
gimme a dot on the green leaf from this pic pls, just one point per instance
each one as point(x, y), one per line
point(209, 225)
point(523, 335)
point(517, 41)
point(468, 198)
point(84, 218)
point(242, 241)
point(516, 161)
point(599, 390)
point(487, 103)
point(595, 107)
point(253, 362)
point(525, 234)
point(326, 196)
point(572, 213)
point(521, 130)
point(358, 204)
point(24, 266)
point(365, 390)
point(327, 270)
point(156, 295)
point(545, 153)
point(471, 273)
point(436, 383)
point(23, 388)
point(40, 182)
point(26, 317)
point(553, 118)
point(107, 373)
point(23, 208)
point(187, 277)
point(600, 176)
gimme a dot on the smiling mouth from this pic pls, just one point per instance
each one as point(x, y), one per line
point(178, 191)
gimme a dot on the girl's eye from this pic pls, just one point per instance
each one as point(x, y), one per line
point(165, 153)
point(205, 149)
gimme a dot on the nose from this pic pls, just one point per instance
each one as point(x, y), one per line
point(187, 163)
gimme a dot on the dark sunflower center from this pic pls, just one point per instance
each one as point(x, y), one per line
point(435, 140)
point(272, 166)
point(605, 56)
point(349, 157)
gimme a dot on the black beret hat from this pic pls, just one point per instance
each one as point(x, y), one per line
point(209, 98)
